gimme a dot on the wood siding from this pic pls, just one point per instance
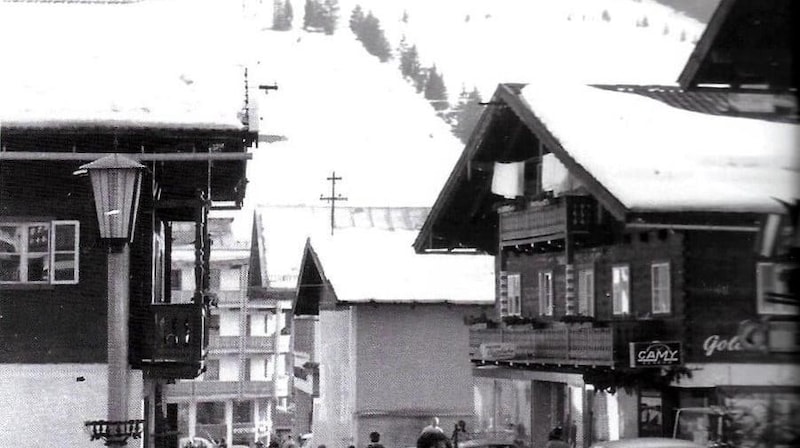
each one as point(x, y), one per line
point(54, 323)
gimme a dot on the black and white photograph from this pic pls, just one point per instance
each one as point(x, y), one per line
point(399, 224)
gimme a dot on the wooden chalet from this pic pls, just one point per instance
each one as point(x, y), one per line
point(192, 139)
point(627, 225)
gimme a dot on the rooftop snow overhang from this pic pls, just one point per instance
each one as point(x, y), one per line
point(747, 46)
point(464, 215)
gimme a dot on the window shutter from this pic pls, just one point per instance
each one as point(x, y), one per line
point(503, 293)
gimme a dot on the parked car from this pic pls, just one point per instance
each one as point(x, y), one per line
point(648, 442)
point(196, 442)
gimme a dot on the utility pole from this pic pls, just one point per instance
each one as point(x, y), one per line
point(333, 197)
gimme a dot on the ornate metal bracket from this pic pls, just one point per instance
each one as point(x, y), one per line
point(115, 433)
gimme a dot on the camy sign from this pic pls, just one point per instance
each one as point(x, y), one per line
point(655, 354)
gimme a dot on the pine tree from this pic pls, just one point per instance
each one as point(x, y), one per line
point(435, 90)
point(330, 16)
point(282, 15)
point(374, 39)
point(357, 20)
point(466, 114)
point(606, 16)
point(409, 62)
point(404, 19)
point(313, 20)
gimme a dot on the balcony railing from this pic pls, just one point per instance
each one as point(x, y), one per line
point(185, 389)
point(257, 388)
point(177, 340)
point(567, 345)
point(260, 343)
point(548, 222)
point(570, 344)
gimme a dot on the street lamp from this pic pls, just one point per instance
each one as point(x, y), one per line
point(116, 182)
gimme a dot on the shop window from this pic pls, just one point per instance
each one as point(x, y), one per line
point(546, 293)
point(650, 414)
point(773, 295)
point(620, 289)
point(39, 252)
point(242, 411)
point(660, 274)
point(210, 412)
point(176, 279)
point(586, 292)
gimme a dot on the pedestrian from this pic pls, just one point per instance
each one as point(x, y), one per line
point(289, 442)
point(433, 427)
point(460, 433)
point(556, 439)
point(374, 440)
point(433, 439)
point(222, 443)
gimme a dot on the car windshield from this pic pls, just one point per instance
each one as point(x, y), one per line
point(699, 425)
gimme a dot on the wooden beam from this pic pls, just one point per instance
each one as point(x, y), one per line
point(141, 157)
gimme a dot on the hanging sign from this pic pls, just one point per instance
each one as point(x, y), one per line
point(655, 354)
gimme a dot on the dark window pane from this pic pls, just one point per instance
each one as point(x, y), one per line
point(176, 279)
point(38, 268)
point(210, 412)
point(242, 411)
point(9, 268)
point(65, 236)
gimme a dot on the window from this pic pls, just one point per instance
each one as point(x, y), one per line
point(772, 292)
point(176, 279)
point(546, 293)
point(39, 252)
point(659, 273)
point(621, 287)
point(510, 294)
point(283, 402)
point(214, 279)
point(586, 292)
point(247, 369)
point(210, 412)
point(242, 411)
point(212, 370)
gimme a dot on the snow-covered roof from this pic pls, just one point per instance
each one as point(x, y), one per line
point(654, 157)
point(283, 231)
point(373, 265)
point(153, 63)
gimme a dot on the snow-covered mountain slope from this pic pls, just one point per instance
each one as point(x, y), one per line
point(484, 42)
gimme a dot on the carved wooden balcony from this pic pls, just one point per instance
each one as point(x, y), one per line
point(177, 340)
point(570, 344)
point(561, 346)
point(549, 221)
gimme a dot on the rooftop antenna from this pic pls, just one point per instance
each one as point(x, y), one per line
point(333, 197)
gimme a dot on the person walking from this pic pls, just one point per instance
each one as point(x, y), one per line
point(375, 440)
point(433, 427)
point(556, 439)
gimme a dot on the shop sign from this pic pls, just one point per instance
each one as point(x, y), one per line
point(655, 354)
point(716, 343)
point(498, 350)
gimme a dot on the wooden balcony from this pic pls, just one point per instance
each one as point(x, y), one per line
point(561, 346)
point(548, 222)
point(570, 345)
point(177, 340)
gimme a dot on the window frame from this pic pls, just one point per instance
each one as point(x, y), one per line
point(586, 307)
point(514, 294)
point(50, 255)
point(762, 306)
point(663, 289)
point(626, 309)
point(546, 293)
